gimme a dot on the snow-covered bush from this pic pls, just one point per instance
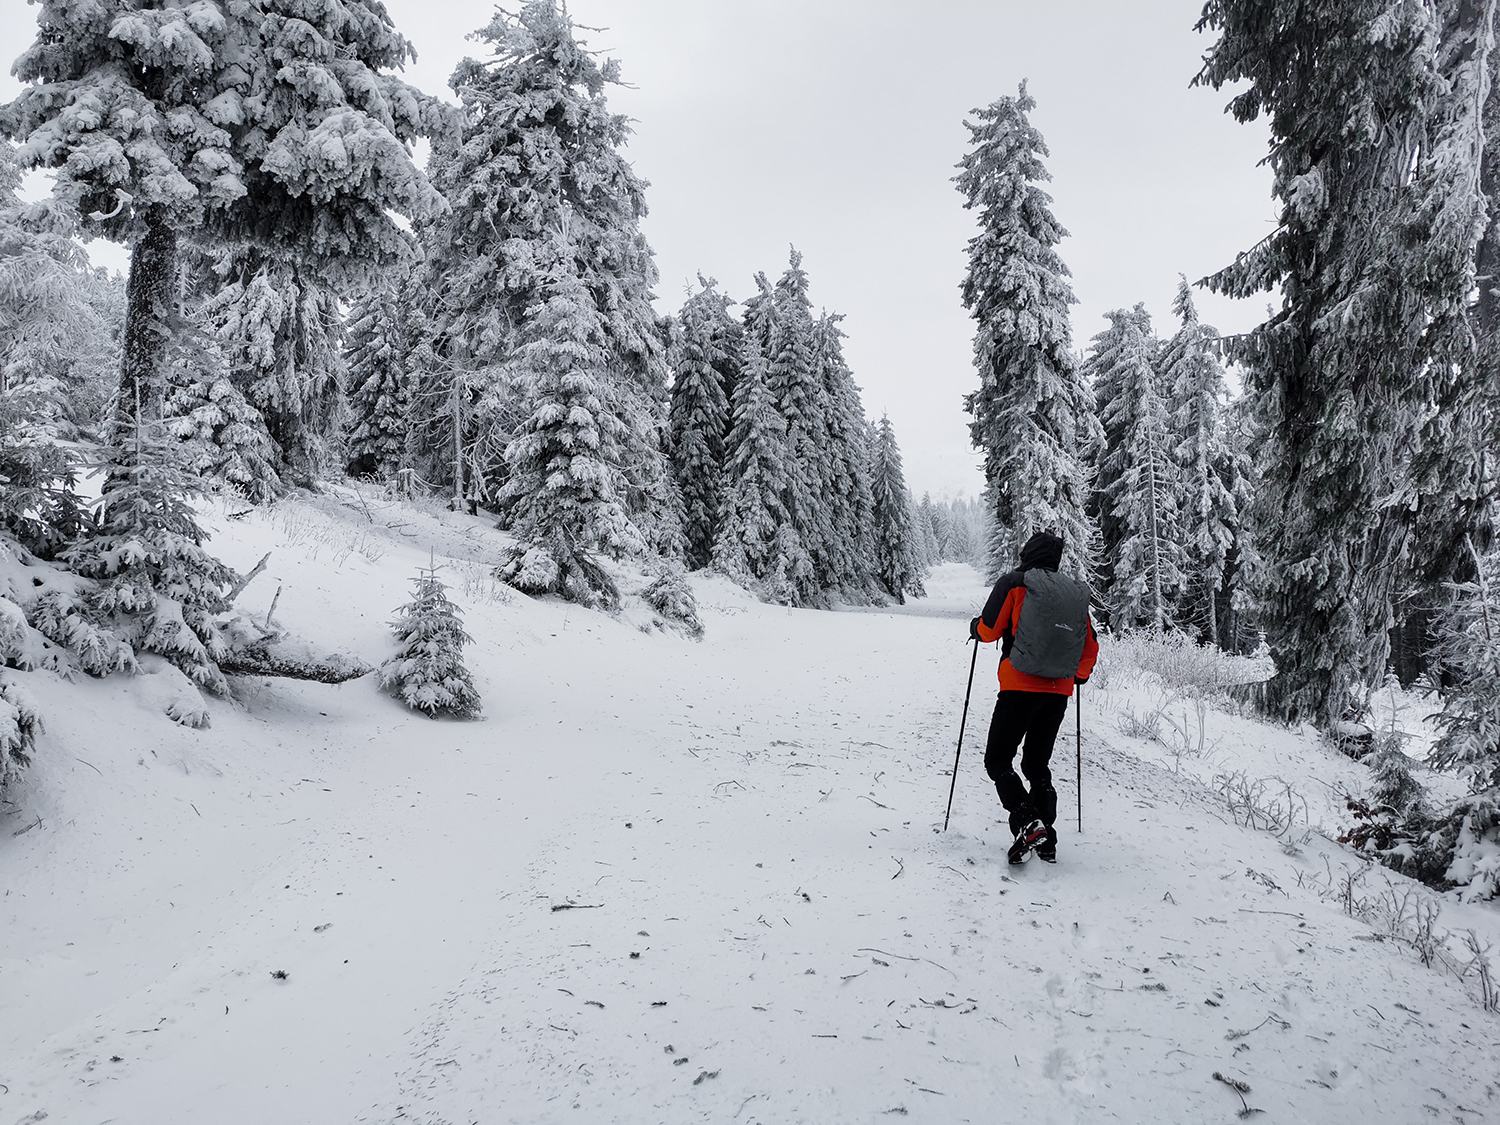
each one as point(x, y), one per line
point(1183, 665)
point(427, 673)
point(157, 589)
point(672, 598)
point(20, 723)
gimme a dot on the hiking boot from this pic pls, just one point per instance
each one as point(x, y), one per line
point(1046, 849)
point(1026, 839)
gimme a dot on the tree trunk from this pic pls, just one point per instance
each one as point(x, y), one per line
point(150, 300)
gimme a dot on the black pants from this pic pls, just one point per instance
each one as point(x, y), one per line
point(1034, 716)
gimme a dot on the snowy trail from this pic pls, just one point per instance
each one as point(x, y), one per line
point(755, 816)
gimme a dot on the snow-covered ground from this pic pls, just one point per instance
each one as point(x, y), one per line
point(671, 881)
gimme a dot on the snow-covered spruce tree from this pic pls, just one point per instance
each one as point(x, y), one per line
point(428, 673)
point(565, 497)
point(225, 438)
point(897, 564)
point(273, 124)
point(1137, 478)
point(546, 219)
point(53, 321)
point(1193, 380)
point(757, 544)
point(706, 364)
point(799, 400)
point(1377, 166)
point(380, 400)
point(280, 329)
point(926, 529)
point(852, 557)
point(158, 589)
point(1033, 413)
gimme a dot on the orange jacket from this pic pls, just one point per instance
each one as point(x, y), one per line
point(1003, 629)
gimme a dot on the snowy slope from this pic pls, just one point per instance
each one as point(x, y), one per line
point(761, 921)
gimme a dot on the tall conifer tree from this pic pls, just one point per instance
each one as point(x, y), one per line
point(757, 544)
point(1033, 413)
point(1137, 476)
point(898, 565)
point(380, 402)
point(1377, 166)
point(544, 237)
point(1193, 380)
point(708, 357)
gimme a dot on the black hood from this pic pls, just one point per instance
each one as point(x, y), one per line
point(1043, 550)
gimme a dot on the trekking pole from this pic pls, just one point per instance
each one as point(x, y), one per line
point(961, 723)
point(1078, 717)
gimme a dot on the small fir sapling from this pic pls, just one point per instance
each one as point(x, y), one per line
point(427, 673)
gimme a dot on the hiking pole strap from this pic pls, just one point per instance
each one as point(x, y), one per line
point(961, 724)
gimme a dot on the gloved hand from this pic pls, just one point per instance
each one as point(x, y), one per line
point(974, 629)
point(1080, 679)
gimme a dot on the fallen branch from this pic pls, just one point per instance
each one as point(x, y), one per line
point(333, 669)
point(239, 587)
point(575, 906)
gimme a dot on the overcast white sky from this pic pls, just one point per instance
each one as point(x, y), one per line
point(834, 126)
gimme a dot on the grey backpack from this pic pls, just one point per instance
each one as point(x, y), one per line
point(1053, 627)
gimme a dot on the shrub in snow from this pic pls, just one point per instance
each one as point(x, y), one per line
point(672, 598)
point(427, 673)
point(1183, 664)
point(20, 723)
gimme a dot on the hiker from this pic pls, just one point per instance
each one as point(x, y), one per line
point(1047, 643)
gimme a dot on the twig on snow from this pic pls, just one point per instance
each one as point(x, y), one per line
point(901, 957)
point(1272, 1018)
point(90, 765)
point(1240, 1088)
point(900, 867)
point(556, 906)
point(876, 803)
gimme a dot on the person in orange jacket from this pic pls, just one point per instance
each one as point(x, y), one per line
point(1034, 696)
